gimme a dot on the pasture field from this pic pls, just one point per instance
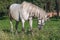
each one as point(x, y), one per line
point(51, 30)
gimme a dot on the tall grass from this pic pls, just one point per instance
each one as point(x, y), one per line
point(51, 30)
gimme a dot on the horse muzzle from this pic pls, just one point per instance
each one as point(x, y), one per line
point(40, 26)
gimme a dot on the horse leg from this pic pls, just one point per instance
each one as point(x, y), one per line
point(39, 23)
point(30, 22)
point(16, 26)
point(23, 21)
point(11, 24)
point(43, 22)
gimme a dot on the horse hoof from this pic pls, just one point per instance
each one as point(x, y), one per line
point(23, 29)
point(30, 30)
point(16, 32)
point(12, 32)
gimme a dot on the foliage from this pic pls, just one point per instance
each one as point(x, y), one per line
point(41, 3)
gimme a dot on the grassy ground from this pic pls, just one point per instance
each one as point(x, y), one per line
point(51, 30)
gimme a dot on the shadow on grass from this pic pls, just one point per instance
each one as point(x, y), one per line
point(28, 32)
point(55, 18)
point(6, 30)
point(3, 18)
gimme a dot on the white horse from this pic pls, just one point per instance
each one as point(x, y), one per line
point(14, 13)
point(26, 11)
point(29, 10)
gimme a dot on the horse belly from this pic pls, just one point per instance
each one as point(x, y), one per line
point(15, 15)
point(24, 15)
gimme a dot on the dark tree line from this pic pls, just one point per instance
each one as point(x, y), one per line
point(57, 7)
point(48, 5)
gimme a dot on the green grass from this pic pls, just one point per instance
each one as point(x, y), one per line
point(51, 30)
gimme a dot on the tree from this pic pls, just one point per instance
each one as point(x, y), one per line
point(57, 7)
point(4, 4)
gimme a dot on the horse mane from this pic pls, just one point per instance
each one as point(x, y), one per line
point(33, 9)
